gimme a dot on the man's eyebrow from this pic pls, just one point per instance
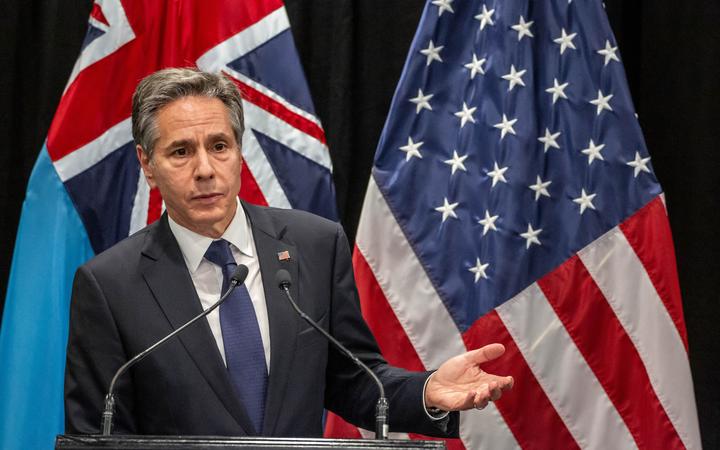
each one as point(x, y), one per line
point(218, 136)
point(179, 143)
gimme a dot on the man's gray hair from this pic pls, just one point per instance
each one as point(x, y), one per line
point(166, 86)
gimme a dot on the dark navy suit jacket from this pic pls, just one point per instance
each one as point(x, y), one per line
point(138, 291)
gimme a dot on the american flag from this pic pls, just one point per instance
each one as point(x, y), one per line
point(512, 200)
point(127, 41)
point(87, 192)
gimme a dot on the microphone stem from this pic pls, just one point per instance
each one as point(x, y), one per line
point(382, 407)
point(108, 413)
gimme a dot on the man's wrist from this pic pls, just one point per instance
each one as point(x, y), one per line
point(433, 412)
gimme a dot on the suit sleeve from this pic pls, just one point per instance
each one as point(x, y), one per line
point(94, 353)
point(350, 392)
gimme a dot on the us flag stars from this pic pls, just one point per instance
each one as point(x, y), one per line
point(479, 270)
point(639, 164)
point(457, 126)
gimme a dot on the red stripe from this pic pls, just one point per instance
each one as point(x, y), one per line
point(609, 352)
point(527, 411)
point(167, 34)
point(648, 232)
point(154, 206)
point(249, 189)
point(336, 427)
point(279, 110)
point(380, 317)
point(97, 14)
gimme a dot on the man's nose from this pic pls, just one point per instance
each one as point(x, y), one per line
point(204, 168)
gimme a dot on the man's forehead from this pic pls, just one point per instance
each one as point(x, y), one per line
point(193, 113)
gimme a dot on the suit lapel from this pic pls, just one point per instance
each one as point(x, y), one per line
point(164, 270)
point(283, 320)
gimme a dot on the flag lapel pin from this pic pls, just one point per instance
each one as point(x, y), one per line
point(284, 256)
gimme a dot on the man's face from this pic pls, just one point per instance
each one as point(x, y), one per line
point(195, 164)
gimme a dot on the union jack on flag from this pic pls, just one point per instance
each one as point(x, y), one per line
point(87, 191)
point(512, 200)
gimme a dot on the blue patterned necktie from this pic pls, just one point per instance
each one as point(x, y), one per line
point(244, 351)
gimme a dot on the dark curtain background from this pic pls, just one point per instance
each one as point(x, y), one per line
point(353, 52)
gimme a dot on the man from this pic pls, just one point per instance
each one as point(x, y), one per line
point(253, 367)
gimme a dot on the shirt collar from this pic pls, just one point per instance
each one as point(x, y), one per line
point(193, 245)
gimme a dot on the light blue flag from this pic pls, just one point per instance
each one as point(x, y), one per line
point(51, 243)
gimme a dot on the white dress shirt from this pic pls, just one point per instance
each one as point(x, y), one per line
point(208, 277)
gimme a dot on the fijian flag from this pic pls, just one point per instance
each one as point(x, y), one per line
point(87, 192)
point(512, 200)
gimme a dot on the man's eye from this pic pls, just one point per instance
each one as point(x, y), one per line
point(180, 152)
point(220, 146)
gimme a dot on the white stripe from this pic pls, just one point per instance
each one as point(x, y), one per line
point(139, 215)
point(419, 310)
point(273, 95)
point(279, 130)
point(215, 59)
point(90, 154)
point(621, 277)
point(563, 373)
point(119, 34)
point(257, 163)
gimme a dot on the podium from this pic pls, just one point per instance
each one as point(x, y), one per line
point(85, 442)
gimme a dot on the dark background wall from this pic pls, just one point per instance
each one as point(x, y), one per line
point(353, 52)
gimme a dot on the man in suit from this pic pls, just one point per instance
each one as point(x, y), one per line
point(253, 367)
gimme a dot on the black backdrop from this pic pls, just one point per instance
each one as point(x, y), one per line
point(353, 52)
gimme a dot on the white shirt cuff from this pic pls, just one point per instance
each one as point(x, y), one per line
point(432, 413)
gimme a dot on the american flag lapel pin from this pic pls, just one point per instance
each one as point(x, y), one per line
point(284, 256)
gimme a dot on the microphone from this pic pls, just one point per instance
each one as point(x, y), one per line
point(237, 279)
point(284, 281)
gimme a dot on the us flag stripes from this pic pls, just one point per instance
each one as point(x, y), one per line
point(87, 192)
point(512, 200)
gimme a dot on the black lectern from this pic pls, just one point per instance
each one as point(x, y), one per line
point(85, 442)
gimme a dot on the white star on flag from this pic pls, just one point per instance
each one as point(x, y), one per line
point(456, 162)
point(443, 5)
point(558, 90)
point(411, 149)
point(432, 53)
point(447, 209)
point(498, 174)
point(531, 236)
point(549, 140)
point(565, 41)
point(506, 126)
point(639, 164)
point(540, 188)
point(523, 28)
point(602, 102)
point(585, 201)
point(479, 269)
point(485, 17)
point(514, 77)
point(593, 152)
point(488, 222)
point(465, 114)
point(475, 66)
point(609, 53)
point(422, 101)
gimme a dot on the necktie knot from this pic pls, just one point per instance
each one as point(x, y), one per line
point(219, 253)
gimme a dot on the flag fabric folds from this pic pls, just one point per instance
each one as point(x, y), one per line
point(87, 191)
point(512, 200)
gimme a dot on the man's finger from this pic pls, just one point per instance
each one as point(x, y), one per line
point(487, 353)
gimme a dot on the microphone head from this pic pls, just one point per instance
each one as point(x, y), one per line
point(240, 274)
point(283, 279)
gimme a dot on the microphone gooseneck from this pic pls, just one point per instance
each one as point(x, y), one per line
point(237, 279)
point(284, 281)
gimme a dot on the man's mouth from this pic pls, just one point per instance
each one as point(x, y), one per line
point(207, 198)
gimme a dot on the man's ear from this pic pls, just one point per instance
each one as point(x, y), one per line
point(146, 166)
